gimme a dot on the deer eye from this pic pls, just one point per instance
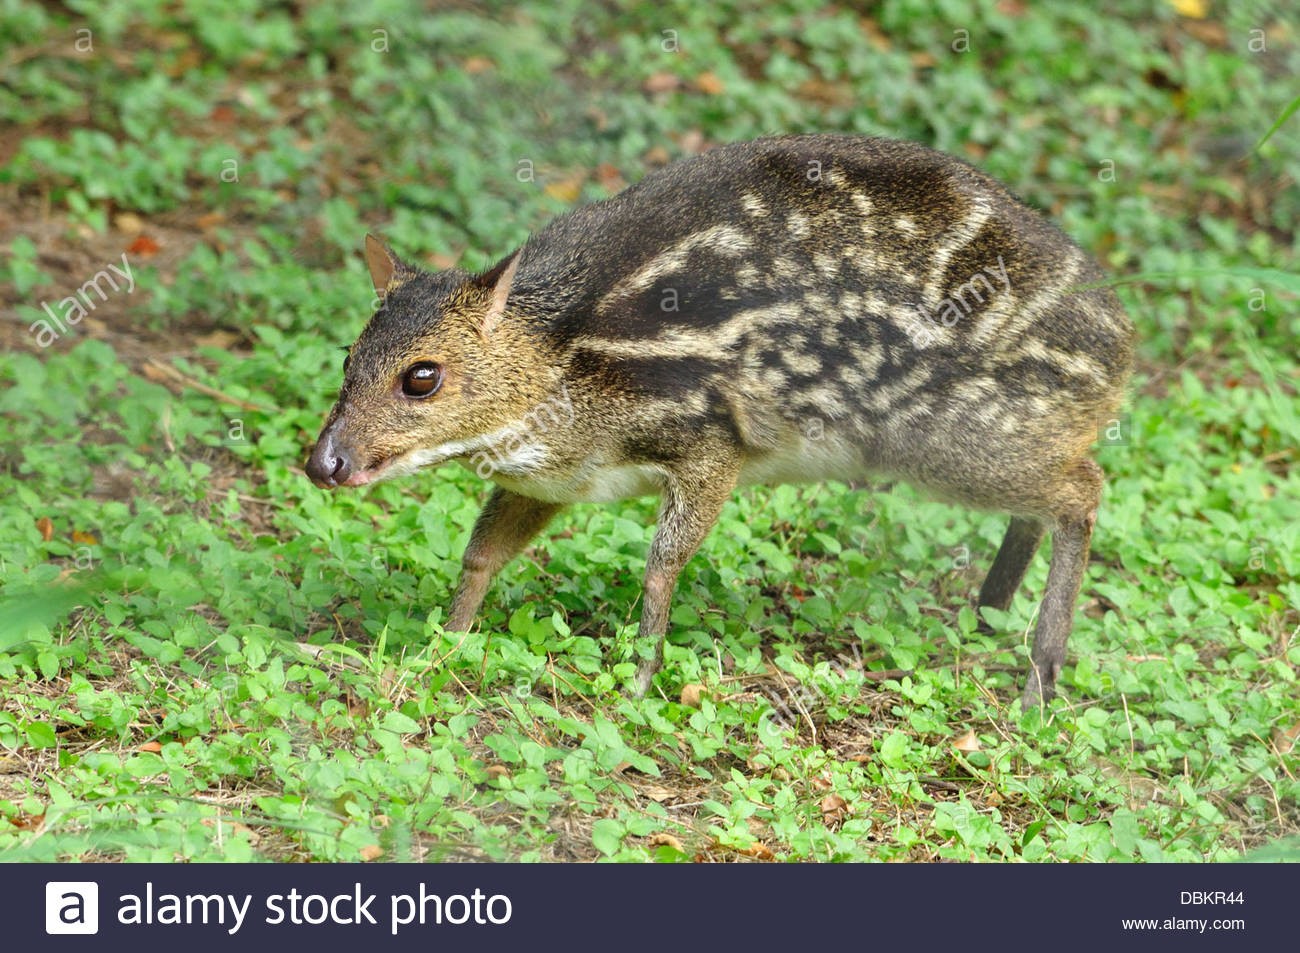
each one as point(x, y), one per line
point(422, 380)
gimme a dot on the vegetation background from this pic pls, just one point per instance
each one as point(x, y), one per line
point(203, 657)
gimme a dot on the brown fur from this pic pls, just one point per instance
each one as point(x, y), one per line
point(796, 308)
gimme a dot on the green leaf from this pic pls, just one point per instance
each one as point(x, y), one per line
point(40, 734)
point(607, 836)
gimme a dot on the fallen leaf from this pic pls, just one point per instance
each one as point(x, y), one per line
point(922, 59)
point(966, 742)
point(1192, 9)
point(442, 261)
point(1211, 34)
point(758, 851)
point(45, 526)
point(219, 339)
point(661, 839)
point(657, 792)
point(223, 114)
point(876, 36)
point(232, 826)
point(834, 808)
point(371, 852)
point(128, 223)
point(210, 220)
point(477, 64)
point(85, 539)
point(660, 83)
point(144, 246)
point(656, 155)
point(692, 141)
point(1284, 739)
point(154, 746)
point(609, 178)
point(824, 93)
point(691, 694)
point(568, 189)
point(28, 822)
point(709, 84)
point(498, 771)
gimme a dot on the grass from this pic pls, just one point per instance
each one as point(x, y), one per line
point(202, 657)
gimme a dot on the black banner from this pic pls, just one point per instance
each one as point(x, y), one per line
point(628, 907)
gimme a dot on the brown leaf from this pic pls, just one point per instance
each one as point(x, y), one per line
point(660, 83)
point(657, 792)
point(656, 155)
point(128, 223)
point(692, 141)
point(154, 746)
point(477, 64)
point(229, 825)
point(662, 839)
point(834, 808)
point(966, 742)
point(1211, 34)
point(28, 822)
point(442, 261)
point(758, 851)
point(46, 527)
point(144, 246)
point(85, 539)
point(210, 221)
point(497, 771)
point(691, 694)
point(1284, 739)
point(609, 178)
point(876, 36)
point(709, 84)
point(221, 340)
point(371, 852)
point(826, 94)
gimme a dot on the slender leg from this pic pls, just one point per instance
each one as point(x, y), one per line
point(1071, 538)
point(505, 526)
point(1018, 547)
point(691, 504)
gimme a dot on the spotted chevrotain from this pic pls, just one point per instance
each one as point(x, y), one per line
point(792, 309)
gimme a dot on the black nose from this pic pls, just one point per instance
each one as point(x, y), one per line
point(329, 464)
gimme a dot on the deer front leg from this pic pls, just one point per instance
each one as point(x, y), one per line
point(505, 526)
point(692, 501)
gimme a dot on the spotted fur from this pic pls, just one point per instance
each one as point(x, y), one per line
point(794, 308)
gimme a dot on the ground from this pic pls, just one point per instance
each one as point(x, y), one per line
point(204, 657)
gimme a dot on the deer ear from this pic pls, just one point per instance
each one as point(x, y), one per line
point(497, 281)
point(386, 269)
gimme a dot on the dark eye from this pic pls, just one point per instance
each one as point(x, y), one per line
point(422, 380)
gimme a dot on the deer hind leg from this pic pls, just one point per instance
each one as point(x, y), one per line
point(1077, 496)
